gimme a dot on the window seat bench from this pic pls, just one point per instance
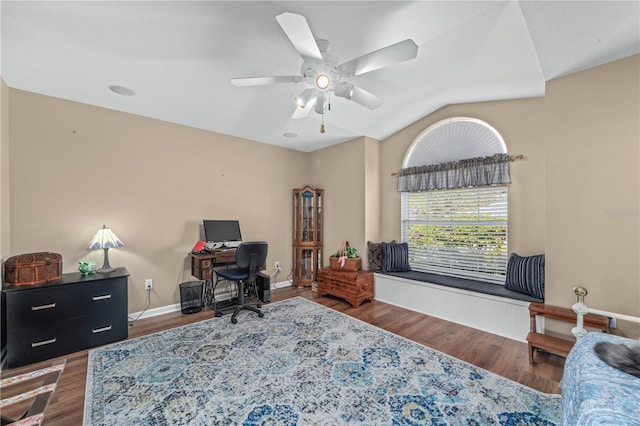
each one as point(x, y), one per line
point(481, 305)
point(465, 284)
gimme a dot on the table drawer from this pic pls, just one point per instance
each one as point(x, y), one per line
point(203, 274)
point(44, 305)
point(40, 342)
point(104, 296)
point(39, 306)
point(206, 274)
point(107, 328)
point(36, 343)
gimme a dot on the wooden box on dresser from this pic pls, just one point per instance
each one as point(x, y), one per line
point(56, 318)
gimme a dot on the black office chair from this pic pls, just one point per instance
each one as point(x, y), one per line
point(249, 257)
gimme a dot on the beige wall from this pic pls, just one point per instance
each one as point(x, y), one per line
point(371, 193)
point(592, 133)
point(5, 229)
point(576, 195)
point(339, 170)
point(75, 167)
point(349, 174)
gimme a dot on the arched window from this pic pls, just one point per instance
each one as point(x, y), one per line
point(454, 200)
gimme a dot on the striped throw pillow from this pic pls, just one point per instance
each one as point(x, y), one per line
point(526, 275)
point(395, 257)
point(374, 251)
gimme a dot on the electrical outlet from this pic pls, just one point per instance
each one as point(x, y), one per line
point(148, 284)
point(612, 322)
point(277, 265)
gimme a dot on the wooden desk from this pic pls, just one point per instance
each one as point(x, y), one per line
point(557, 345)
point(202, 264)
point(202, 267)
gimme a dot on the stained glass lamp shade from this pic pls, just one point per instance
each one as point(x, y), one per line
point(105, 239)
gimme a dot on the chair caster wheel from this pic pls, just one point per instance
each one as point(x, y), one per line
point(258, 306)
point(218, 314)
point(234, 320)
point(260, 314)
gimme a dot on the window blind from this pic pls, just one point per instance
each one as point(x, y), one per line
point(458, 232)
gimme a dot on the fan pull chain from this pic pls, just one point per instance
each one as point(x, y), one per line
point(328, 109)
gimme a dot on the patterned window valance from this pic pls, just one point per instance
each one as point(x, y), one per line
point(480, 171)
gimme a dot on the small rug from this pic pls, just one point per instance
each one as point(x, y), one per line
point(302, 364)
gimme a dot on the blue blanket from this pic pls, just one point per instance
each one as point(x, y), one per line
point(593, 393)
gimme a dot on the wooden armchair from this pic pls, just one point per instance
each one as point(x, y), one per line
point(41, 395)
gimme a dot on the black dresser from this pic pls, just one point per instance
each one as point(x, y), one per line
point(75, 313)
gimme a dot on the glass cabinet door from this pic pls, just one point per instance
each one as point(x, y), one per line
point(307, 261)
point(308, 222)
point(319, 217)
point(307, 234)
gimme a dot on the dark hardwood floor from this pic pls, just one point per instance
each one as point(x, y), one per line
point(500, 355)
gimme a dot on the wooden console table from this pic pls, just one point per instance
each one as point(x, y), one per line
point(557, 345)
point(202, 267)
point(202, 264)
point(354, 287)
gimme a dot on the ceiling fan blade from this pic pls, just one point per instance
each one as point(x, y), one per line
point(393, 54)
point(304, 112)
point(366, 99)
point(261, 81)
point(359, 96)
point(297, 29)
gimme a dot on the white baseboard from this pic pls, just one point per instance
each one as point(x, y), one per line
point(498, 315)
point(176, 307)
point(154, 312)
point(281, 284)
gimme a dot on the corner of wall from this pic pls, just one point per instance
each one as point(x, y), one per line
point(5, 240)
point(372, 176)
point(340, 171)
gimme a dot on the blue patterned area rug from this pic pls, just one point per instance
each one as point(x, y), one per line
point(302, 364)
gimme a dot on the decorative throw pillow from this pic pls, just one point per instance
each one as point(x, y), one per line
point(526, 275)
point(374, 255)
point(395, 257)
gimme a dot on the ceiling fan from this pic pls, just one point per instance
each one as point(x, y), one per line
point(324, 75)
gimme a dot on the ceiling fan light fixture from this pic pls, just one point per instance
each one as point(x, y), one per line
point(302, 100)
point(344, 90)
point(321, 104)
point(323, 81)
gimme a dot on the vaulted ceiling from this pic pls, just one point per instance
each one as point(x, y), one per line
point(179, 57)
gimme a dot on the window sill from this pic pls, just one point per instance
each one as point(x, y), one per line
point(464, 284)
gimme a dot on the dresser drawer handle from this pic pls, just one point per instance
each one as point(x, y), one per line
point(41, 307)
point(44, 342)
point(106, 296)
point(100, 330)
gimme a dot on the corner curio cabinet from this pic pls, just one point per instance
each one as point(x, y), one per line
point(307, 234)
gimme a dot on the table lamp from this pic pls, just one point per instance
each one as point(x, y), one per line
point(105, 239)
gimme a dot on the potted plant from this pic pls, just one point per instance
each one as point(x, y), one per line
point(345, 259)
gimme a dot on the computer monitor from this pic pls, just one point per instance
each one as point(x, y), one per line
point(222, 233)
